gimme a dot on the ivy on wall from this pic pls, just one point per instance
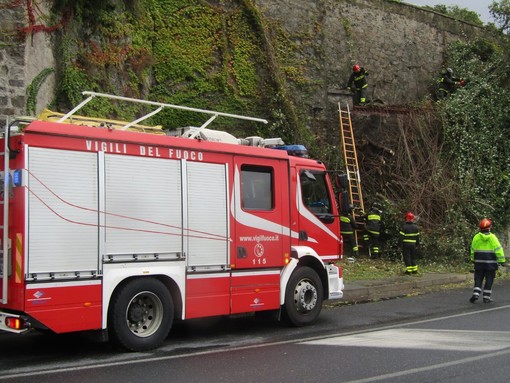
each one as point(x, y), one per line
point(33, 89)
point(196, 53)
point(220, 55)
point(223, 55)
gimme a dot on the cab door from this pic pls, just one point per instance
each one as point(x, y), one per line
point(319, 226)
point(260, 231)
point(261, 211)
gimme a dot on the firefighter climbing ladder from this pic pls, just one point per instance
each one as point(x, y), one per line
point(351, 166)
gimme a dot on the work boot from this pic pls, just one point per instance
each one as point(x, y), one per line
point(473, 299)
point(487, 300)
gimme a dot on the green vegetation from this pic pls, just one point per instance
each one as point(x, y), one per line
point(454, 164)
point(368, 269)
point(500, 11)
point(455, 170)
point(476, 126)
point(457, 12)
point(224, 56)
point(34, 87)
point(191, 53)
point(476, 129)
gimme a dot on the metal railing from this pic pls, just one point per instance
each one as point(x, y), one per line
point(160, 106)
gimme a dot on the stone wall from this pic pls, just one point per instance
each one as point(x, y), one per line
point(12, 63)
point(402, 46)
point(21, 60)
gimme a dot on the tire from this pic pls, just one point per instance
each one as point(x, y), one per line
point(141, 314)
point(303, 297)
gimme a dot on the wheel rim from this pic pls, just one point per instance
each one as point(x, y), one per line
point(305, 296)
point(144, 314)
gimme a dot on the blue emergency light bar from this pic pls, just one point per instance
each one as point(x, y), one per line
point(294, 150)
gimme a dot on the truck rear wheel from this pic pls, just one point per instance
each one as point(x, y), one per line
point(141, 314)
point(303, 297)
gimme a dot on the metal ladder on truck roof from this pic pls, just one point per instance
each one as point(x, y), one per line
point(160, 106)
point(351, 166)
point(200, 132)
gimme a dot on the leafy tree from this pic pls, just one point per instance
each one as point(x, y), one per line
point(452, 167)
point(500, 11)
point(475, 130)
point(457, 12)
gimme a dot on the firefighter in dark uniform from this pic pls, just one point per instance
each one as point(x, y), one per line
point(447, 83)
point(410, 241)
point(487, 254)
point(358, 84)
point(373, 228)
point(347, 229)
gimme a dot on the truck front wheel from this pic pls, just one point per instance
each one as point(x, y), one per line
point(303, 297)
point(141, 314)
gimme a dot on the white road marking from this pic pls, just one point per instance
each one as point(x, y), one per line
point(141, 359)
point(423, 339)
point(474, 359)
point(451, 340)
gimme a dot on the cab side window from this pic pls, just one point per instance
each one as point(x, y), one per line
point(315, 192)
point(257, 187)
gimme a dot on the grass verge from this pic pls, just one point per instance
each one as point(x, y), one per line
point(367, 269)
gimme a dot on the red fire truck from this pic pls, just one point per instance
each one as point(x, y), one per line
point(121, 231)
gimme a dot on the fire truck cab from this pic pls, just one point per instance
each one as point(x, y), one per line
point(106, 228)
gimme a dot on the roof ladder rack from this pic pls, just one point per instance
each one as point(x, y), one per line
point(160, 106)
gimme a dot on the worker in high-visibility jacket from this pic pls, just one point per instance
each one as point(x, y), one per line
point(348, 230)
point(487, 254)
point(410, 241)
point(373, 228)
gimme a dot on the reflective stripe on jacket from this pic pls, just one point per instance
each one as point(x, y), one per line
point(410, 233)
point(373, 223)
point(347, 224)
point(359, 79)
point(486, 251)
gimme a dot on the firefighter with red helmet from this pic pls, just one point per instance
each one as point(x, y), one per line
point(410, 241)
point(358, 84)
point(487, 254)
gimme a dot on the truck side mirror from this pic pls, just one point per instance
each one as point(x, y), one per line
point(342, 181)
point(326, 218)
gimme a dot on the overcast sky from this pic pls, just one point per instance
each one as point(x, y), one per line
point(479, 6)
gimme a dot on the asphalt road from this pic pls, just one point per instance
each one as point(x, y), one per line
point(436, 337)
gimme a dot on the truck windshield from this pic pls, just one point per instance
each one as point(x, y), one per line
point(315, 191)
